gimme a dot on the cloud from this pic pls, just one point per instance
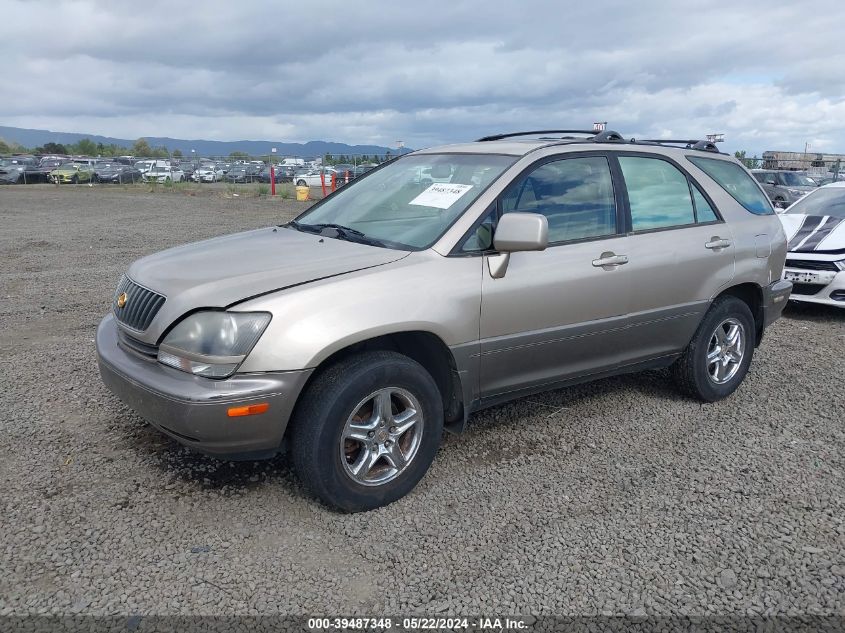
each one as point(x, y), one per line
point(767, 74)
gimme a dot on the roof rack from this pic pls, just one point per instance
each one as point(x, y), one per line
point(607, 136)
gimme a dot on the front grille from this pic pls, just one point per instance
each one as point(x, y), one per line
point(810, 264)
point(141, 304)
point(139, 348)
point(806, 289)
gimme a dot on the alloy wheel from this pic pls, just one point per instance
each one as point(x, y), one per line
point(382, 436)
point(725, 351)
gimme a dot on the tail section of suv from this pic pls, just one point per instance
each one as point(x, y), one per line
point(397, 306)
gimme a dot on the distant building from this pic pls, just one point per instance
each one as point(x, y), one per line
point(811, 162)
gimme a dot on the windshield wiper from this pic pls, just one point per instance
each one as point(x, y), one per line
point(343, 232)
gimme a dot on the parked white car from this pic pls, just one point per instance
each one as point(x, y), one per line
point(815, 263)
point(311, 178)
point(146, 165)
point(164, 174)
point(208, 173)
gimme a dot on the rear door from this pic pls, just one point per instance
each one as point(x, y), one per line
point(681, 254)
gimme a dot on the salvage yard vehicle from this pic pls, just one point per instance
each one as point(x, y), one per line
point(815, 263)
point(784, 187)
point(208, 173)
point(164, 174)
point(394, 308)
point(243, 172)
point(21, 172)
point(116, 173)
point(313, 177)
point(71, 173)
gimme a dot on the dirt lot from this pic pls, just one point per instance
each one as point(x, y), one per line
point(615, 497)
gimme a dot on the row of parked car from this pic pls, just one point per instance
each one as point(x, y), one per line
point(56, 169)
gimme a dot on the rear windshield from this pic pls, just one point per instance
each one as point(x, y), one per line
point(737, 182)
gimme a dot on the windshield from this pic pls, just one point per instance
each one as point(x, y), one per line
point(827, 201)
point(411, 201)
point(792, 179)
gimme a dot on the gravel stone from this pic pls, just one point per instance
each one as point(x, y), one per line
point(619, 496)
point(727, 579)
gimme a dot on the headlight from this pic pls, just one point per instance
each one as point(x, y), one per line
point(795, 192)
point(212, 344)
point(840, 264)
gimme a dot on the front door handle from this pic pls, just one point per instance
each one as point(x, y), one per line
point(716, 243)
point(610, 260)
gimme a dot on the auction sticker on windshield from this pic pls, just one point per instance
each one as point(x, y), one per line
point(440, 195)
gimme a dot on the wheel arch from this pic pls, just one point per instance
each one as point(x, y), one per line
point(424, 347)
point(752, 294)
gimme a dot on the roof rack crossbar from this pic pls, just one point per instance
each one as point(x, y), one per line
point(499, 137)
point(704, 146)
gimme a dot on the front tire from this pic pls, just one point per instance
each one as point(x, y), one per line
point(366, 430)
point(717, 358)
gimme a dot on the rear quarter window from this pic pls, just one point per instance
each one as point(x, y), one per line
point(736, 181)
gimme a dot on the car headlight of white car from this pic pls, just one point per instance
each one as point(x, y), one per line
point(840, 264)
point(212, 343)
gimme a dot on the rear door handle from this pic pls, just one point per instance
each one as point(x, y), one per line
point(610, 260)
point(716, 243)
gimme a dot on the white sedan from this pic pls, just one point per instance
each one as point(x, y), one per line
point(164, 174)
point(208, 173)
point(815, 263)
point(311, 178)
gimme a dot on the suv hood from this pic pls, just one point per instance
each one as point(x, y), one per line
point(808, 233)
point(222, 271)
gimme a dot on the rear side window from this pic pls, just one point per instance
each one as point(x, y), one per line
point(704, 212)
point(736, 181)
point(658, 193)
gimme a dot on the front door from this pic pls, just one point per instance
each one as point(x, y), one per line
point(558, 313)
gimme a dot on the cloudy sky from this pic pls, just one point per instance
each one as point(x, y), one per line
point(770, 75)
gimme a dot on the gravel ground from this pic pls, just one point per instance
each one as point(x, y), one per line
point(617, 497)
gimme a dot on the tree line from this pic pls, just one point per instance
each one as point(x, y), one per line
point(141, 148)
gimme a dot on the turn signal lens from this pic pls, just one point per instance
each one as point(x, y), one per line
point(252, 409)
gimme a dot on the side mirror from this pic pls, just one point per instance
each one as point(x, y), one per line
point(517, 232)
point(521, 232)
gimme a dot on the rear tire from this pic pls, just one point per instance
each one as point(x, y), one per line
point(717, 358)
point(394, 444)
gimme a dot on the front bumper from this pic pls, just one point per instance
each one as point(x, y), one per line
point(194, 410)
point(828, 290)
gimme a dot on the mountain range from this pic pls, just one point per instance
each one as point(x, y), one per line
point(33, 138)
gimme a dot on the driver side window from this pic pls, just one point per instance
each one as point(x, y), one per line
point(575, 195)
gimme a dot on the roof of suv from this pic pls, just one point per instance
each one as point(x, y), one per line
point(512, 144)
